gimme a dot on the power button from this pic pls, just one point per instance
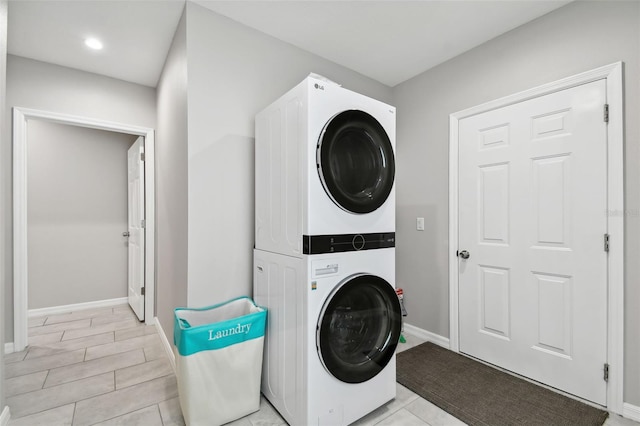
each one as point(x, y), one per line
point(358, 242)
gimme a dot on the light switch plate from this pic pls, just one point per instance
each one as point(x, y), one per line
point(420, 224)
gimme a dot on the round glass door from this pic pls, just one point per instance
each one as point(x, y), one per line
point(355, 161)
point(359, 328)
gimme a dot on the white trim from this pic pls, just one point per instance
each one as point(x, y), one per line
point(8, 348)
point(5, 416)
point(168, 347)
point(545, 89)
point(20, 306)
point(615, 224)
point(427, 335)
point(631, 412)
point(63, 309)
point(150, 228)
point(454, 341)
point(20, 279)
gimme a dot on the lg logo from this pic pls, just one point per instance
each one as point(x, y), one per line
point(317, 86)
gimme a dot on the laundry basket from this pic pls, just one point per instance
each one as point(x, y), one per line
point(219, 360)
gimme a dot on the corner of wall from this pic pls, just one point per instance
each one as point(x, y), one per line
point(171, 181)
point(4, 163)
point(168, 347)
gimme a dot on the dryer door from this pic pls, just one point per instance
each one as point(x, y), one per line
point(355, 161)
point(359, 328)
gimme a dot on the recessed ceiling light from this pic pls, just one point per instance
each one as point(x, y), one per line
point(93, 43)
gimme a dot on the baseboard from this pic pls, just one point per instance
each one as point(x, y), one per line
point(77, 307)
point(427, 335)
point(168, 347)
point(631, 411)
point(9, 348)
point(5, 416)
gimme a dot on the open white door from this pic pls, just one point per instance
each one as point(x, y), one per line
point(136, 226)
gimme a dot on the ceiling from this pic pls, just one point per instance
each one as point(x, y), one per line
point(388, 41)
point(136, 35)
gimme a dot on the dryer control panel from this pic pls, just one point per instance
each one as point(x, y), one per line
point(319, 244)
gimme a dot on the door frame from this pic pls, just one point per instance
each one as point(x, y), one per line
point(613, 74)
point(21, 117)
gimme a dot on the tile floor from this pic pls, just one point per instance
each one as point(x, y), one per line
point(91, 367)
point(103, 367)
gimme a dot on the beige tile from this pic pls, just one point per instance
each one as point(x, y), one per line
point(45, 338)
point(106, 319)
point(45, 399)
point(36, 321)
point(411, 341)
point(139, 373)
point(15, 357)
point(125, 401)
point(616, 420)
point(404, 418)
point(266, 415)
point(63, 326)
point(171, 412)
point(94, 367)
point(124, 308)
point(403, 397)
point(47, 349)
point(141, 330)
point(243, 421)
point(89, 331)
point(26, 383)
point(155, 351)
point(59, 416)
point(432, 414)
point(145, 417)
point(78, 315)
point(121, 346)
point(45, 363)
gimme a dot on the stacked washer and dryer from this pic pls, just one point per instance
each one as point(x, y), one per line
point(324, 259)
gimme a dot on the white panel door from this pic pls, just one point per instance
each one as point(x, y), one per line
point(136, 226)
point(532, 215)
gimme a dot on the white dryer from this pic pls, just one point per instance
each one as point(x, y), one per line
point(333, 325)
point(325, 172)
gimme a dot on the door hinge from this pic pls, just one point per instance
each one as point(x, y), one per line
point(143, 223)
point(606, 372)
point(142, 156)
point(606, 113)
point(606, 242)
point(142, 291)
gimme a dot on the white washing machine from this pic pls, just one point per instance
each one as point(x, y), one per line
point(325, 172)
point(333, 325)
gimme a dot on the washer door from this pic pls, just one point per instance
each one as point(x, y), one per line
point(359, 328)
point(355, 161)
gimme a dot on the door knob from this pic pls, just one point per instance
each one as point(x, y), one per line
point(125, 234)
point(464, 254)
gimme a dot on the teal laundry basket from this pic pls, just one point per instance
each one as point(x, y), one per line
point(219, 360)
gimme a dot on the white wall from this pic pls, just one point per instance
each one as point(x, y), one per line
point(171, 183)
point(4, 152)
point(76, 214)
point(573, 39)
point(38, 85)
point(234, 72)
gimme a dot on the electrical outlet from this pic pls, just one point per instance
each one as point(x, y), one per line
point(420, 224)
